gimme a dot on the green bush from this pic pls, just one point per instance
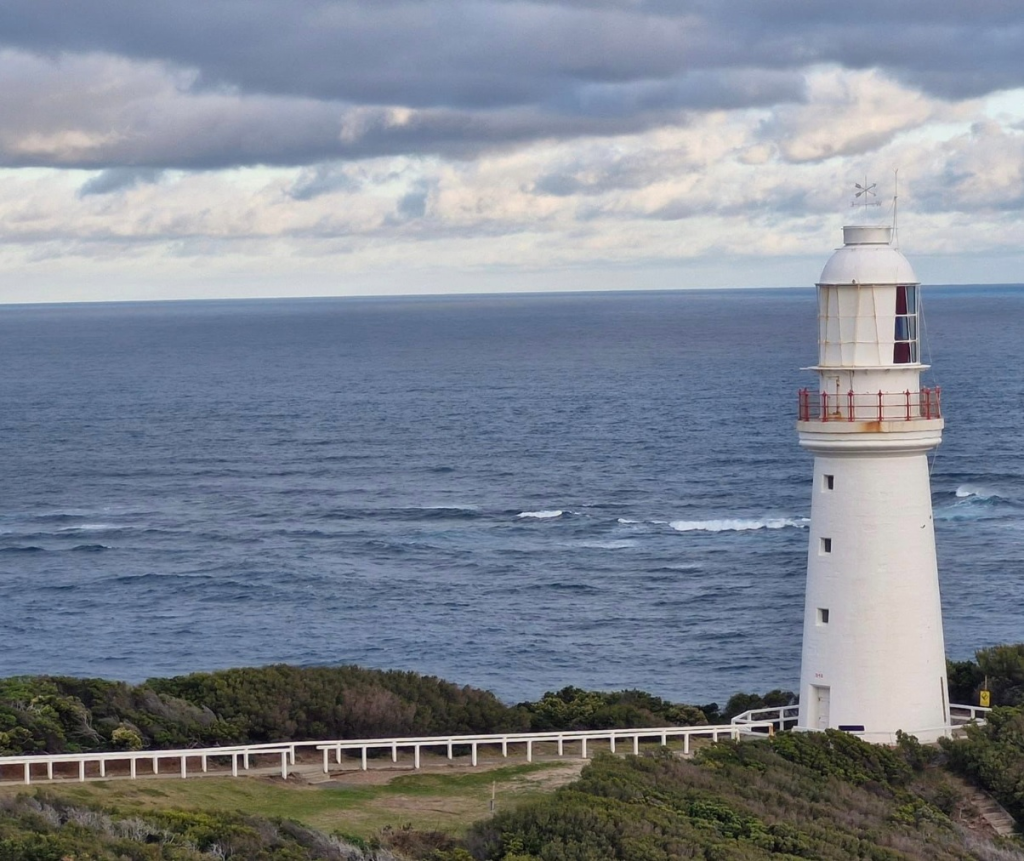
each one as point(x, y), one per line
point(807, 795)
point(993, 757)
point(1001, 667)
point(576, 709)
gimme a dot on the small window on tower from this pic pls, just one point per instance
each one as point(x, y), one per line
point(826, 545)
point(823, 615)
point(904, 350)
point(830, 482)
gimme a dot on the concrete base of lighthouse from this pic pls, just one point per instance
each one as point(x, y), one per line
point(873, 655)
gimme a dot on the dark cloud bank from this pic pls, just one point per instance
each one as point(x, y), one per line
point(297, 82)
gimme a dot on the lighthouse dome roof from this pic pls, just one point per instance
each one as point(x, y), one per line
point(867, 258)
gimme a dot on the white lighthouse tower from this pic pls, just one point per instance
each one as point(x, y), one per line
point(873, 655)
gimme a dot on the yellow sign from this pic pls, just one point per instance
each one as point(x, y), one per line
point(985, 699)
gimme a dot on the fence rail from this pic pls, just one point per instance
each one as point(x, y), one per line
point(781, 717)
point(906, 406)
point(528, 740)
point(960, 715)
point(27, 768)
point(785, 717)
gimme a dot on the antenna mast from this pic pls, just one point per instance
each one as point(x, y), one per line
point(895, 211)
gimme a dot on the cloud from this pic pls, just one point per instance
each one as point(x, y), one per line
point(849, 113)
point(206, 84)
point(101, 111)
point(462, 133)
point(322, 179)
point(118, 179)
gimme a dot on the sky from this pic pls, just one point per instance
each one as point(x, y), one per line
point(250, 148)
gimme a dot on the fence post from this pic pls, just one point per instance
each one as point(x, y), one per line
point(879, 404)
point(907, 393)
point(849, 406)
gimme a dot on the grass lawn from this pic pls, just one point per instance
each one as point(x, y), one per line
point(359, 804)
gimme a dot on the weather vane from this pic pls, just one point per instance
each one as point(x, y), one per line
point(866, 192)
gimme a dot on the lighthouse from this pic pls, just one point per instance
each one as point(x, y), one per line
point(873, 658)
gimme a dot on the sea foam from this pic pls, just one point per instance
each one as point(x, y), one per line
point(966, 491)
point(737, 524)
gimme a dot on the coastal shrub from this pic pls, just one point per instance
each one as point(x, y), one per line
point(993, 757)
point(284, 703)
point(573, 708)
point(839, 754)
point(60, 714)
point(277, 703)
point(126, 738)
point(51, 828)
point(816, 798)
point(1000, 667)
point(739, 703)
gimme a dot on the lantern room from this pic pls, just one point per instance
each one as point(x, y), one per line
point(868, 330)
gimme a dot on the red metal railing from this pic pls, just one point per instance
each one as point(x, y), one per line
point(867, 407)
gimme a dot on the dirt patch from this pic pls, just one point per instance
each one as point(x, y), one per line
point(558, 773)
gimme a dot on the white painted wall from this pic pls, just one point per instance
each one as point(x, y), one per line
point(881, 653)
point(878, 661)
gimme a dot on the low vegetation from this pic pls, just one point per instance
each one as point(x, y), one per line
point(993, 757)
point(824, 796)
point(283, 703)
point(821, 795)
point(276, 703)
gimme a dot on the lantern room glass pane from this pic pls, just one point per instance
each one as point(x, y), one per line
point(904, 350)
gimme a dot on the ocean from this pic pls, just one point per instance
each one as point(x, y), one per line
point(517, 492)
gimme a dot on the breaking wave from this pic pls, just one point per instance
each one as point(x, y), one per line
point(738, 524)
point(541, 515)
point(966, 491)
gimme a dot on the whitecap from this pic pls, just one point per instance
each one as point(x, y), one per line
point(965, 491)
point(626, 521)
point(89, 527)
point(737, 524)
point(541, 515)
